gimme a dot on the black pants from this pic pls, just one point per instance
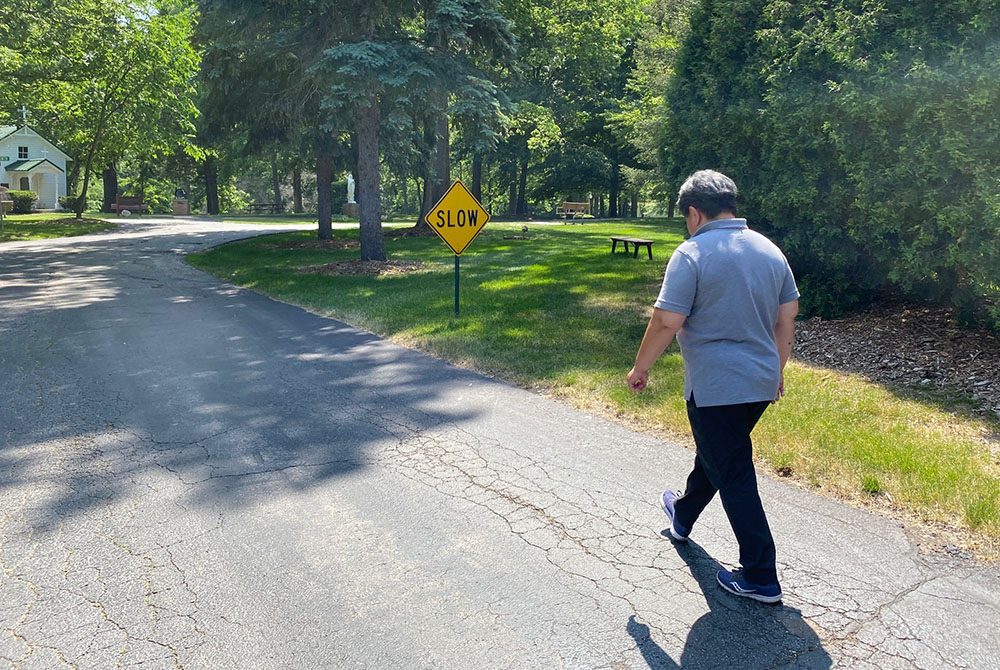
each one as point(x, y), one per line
point(724, 463)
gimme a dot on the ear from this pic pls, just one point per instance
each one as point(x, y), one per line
point(698, 215)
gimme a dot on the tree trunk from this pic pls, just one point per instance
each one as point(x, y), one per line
point(419, 198)
point(275, 181)
point(324, 180)
point(635, 205)
point(211, 170)
point(81, 202)
point(297, 190)
point(615, 192)
point(74, 175)
point(512, 199)
point(477, 176)
point(522, 184)
point(372, 245)
point(670, 208)
point(438, 173)
point(110, 177)
point(427, 202)
point(601, 209)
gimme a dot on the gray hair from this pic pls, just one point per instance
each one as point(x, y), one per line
point(708, 191)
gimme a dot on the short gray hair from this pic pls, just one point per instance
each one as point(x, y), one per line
point(708, 191)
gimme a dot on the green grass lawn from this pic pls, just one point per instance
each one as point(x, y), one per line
point(49, 224)
point(561, 313)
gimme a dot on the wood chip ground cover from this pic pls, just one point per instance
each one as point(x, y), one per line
point(908, 345)
point(366, 268)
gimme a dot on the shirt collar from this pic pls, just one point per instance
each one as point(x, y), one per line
point(722, 224)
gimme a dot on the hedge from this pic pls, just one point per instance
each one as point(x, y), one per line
point(864, 138)
point(24, 201)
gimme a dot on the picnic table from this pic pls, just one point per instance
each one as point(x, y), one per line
point(635, 242)
point(268, 207)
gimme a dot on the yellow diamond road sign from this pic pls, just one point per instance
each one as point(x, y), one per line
point(457, 217)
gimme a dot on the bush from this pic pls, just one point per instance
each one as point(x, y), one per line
point(863, 137)
point(68, 202)
point(232, 199)
point(24, 201)
point(338, 195)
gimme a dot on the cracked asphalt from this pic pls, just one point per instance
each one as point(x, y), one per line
point(195, 476)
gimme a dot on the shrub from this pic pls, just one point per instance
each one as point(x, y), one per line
point(24, 201)
point(863, 137)
point(232, 199)
point(338, 195)
point(68, 202)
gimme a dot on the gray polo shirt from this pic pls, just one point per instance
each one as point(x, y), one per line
point(729, 281)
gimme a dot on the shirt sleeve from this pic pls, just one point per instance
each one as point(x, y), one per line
point(789, 291)
point(680, 283)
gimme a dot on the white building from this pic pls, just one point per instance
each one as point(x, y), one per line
point(29, 162)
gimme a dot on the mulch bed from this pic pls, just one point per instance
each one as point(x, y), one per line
point(905, 344)
point(366, 268)
point(315, 244)
point(411, 231)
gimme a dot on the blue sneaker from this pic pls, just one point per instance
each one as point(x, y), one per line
point(677, 531)
point(735, 584)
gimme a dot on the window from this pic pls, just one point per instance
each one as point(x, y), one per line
point(22, 152)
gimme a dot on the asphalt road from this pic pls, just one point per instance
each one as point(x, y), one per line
point(195, 476)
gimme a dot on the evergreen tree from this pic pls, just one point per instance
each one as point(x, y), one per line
point(862, 135)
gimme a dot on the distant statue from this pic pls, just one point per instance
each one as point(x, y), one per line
point(179, 193)
point(350, 190)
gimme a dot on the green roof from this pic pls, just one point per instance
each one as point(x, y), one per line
point(29, 165)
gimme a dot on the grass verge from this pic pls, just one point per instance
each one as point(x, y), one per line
point(48, 225)
point(558, 312)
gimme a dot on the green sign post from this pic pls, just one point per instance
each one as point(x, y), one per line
point(457, 218)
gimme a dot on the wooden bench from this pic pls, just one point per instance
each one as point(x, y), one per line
point(573, 209)
point(269, 207)
point(635, 242)
point(132, 203)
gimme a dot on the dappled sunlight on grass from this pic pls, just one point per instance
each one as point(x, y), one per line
point(843, 433)
point(49, 225)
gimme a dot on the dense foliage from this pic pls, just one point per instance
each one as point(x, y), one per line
point(864, 136)
point(23, 201)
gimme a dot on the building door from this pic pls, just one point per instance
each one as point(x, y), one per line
point(24, 184)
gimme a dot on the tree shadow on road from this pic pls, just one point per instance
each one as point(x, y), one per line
point(736, 634)
point(127, 371)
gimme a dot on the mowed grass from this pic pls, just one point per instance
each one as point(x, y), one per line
point(560, 313)
point(47, 225)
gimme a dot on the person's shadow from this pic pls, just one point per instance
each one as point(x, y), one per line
point(737, 634)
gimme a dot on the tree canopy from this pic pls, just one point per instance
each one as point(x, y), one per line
point(864, 137)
